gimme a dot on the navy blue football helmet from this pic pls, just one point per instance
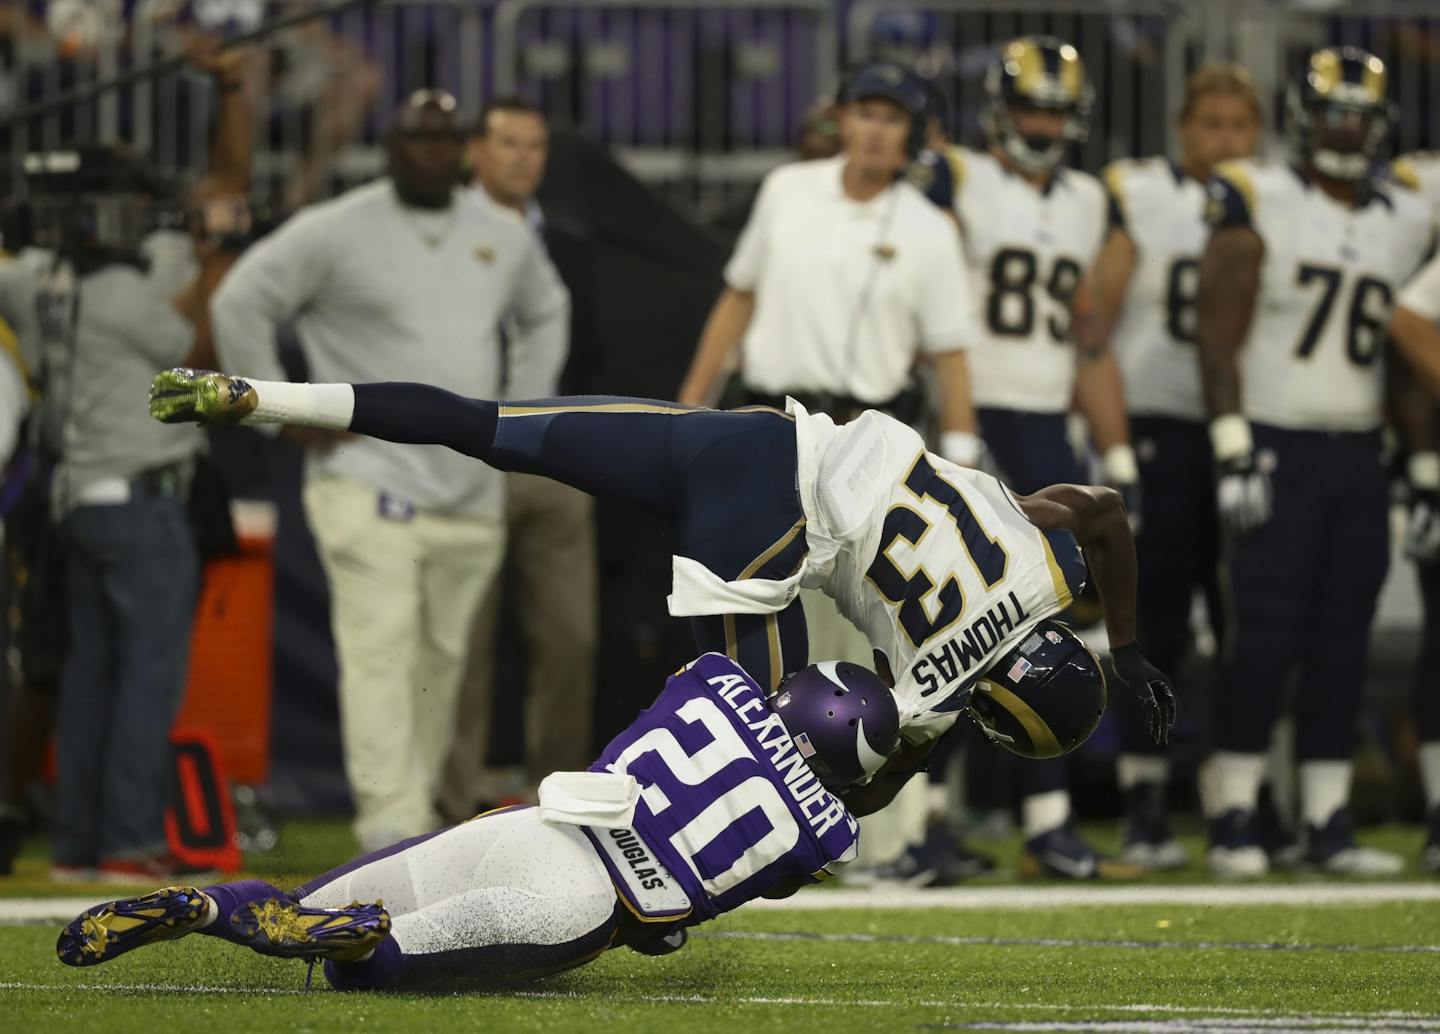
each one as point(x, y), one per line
point(1337, 113)
point(1043, 698)
point(842, 718)
point(1036, 72)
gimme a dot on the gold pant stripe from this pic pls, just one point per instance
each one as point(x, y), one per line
point(772, 635)
point(600, 407)
point(774, 549)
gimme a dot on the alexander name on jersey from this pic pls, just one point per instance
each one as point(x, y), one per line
point(820, 807)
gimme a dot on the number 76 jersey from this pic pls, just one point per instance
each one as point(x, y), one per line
point(1314, 355)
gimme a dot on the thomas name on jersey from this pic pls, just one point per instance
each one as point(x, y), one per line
point(819, 806)
point(948, 667)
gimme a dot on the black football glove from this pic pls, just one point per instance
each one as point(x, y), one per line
point(1150, 685)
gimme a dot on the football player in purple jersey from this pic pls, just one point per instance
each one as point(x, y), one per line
point(714, 796)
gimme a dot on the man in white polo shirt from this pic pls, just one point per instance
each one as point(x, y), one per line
point(843, 277)
point(401, 279)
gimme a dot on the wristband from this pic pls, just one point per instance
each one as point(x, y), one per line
point(1230, 437)
point(960, 447)
point(1423, 470)
point(1119, 465)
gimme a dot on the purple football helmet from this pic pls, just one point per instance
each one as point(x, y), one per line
point(842, 718)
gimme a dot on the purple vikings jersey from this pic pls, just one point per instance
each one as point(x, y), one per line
point(728, 806)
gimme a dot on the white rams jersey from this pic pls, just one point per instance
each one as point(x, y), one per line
point(935, 563)
point(1162, 210)
point(1027, 250)
point(1313, 358)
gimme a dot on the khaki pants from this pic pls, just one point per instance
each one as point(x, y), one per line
point(551, 531)
point(885, 835)
point(403, 594)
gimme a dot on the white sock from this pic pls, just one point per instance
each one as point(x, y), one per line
point(314, 405)
point(1043, 812)
point(1133, 769)
point(1324, 790)
point(212, 910)
point(1237, 780)
point(1430, 773)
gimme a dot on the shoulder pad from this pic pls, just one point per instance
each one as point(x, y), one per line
point(1233, 198)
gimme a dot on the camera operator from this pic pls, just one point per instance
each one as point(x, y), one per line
point(126, 295)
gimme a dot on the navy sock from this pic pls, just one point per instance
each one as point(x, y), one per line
point(230, 896)
point(418, 414)
point(382, 969)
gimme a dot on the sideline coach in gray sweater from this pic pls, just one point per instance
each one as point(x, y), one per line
point(401, 279)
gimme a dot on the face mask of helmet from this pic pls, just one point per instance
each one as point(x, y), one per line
point(1035, 152)
point(1340, 134)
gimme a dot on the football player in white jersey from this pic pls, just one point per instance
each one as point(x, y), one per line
point(1143, 302)
point(1296, 285)
point(1414, 329)
point(954, 579)
point(1031, 229)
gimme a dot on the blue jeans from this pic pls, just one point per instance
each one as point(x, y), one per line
point(131, 579)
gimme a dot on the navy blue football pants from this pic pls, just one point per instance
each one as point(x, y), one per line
point(1178, 550)
point(1427, 668)
point(1032, 451)
point(1302, 591)
point(726, 478)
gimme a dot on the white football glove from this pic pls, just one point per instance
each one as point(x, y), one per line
point(1422, 525)
point(1242, 490)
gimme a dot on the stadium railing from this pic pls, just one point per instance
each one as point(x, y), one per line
point(698, 97)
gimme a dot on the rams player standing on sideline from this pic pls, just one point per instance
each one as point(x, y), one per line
point(1413, 328)
point(1031, 230)
point(1144, 304)
point(1296, 284)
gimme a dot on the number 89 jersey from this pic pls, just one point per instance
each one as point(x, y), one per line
point(728, 805)
point(1027, 249)
point(1313, 357)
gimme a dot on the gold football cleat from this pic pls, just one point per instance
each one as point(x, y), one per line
point(182, 396)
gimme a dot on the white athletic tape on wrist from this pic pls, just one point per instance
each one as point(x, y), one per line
point(960, 447)
point(1120, 466)
point(1424, 470)
point(314, 405)
point(1230, 436)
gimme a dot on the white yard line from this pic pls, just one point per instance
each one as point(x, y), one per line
point(1252, 894)
point(1233, 1013)
point(37, 910)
